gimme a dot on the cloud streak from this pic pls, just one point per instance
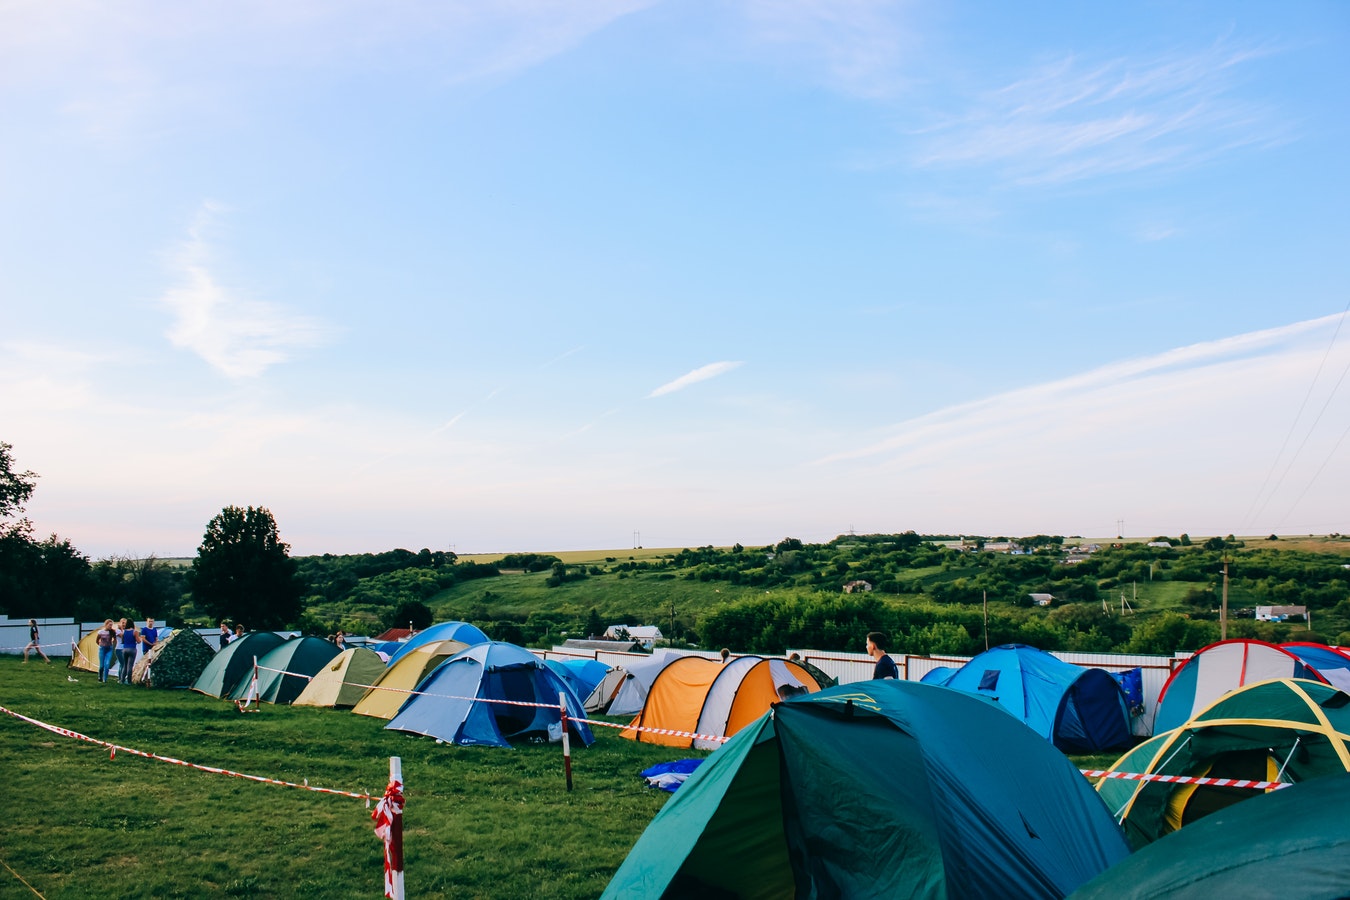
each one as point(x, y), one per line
point(237, 336)
point(702, 373)
point(1076, 119)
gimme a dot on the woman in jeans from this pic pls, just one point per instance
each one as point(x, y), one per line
point(127, 653)
point(107, 643)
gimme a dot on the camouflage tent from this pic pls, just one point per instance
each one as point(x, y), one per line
point(175, 662)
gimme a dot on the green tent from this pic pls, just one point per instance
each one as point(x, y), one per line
point(230, 663)
point(176, 661)
point(1284, 730)
point(1291, 843)
point(344, 680)
point(877, 789)
point(284, 671)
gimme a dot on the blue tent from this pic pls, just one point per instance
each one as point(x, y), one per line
point(442, 631)
point(1078, 709)
point(445, 706)
point(877, 789)
point(581, 675)
point(1332, 665)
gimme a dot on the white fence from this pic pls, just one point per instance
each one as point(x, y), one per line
point(55, 634)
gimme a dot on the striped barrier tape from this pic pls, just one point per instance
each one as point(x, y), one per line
point(718, 738)
point(30, 647)
point(113, 748)
point(1184, 779)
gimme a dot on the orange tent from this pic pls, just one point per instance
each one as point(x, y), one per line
point(712, 699)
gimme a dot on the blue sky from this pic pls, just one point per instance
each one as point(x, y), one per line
point(565, 275)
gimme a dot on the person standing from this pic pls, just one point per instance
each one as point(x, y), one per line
point(149, 636)
point(34, 642)
point(238, 632)
point(126, 656)
point(106, 638)
point(224, 634)
point(340, 639)
point(876, 648)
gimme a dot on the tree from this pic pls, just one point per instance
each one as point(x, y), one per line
point(409, 612)
point(243, 571)
point(15, 489)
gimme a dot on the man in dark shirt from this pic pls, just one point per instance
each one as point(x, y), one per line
point(876, 648)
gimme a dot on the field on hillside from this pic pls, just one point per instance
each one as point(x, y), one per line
point(481, 822)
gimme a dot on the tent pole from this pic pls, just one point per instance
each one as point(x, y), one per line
point(1279, 776)
point(567, 744)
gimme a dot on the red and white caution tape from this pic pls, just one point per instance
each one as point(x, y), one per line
point(720, 738)
point(388, 817)
point(1184, 779)
point(114, 748)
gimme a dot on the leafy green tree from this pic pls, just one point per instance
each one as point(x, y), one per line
point(15, 490)
point(409, 611)
point(244, 572)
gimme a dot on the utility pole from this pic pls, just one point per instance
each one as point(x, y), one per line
point(1223, 608)
point(986, 619)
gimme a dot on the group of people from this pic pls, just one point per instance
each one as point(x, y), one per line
point(120, 641)
point(226, 635)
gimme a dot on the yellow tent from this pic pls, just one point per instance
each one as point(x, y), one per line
point(84, 655)
point(389, 691)
point(715, 699)
point(344, 681)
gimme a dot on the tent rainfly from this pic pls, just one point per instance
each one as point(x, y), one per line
point(285, 670)
point(442, 631)
point(230, 663)
point(344, 680)
point(707, 697)
point(1290, 843)
point(1080, 710)
point(448, 705)
point(877, 789)
point(1217, 669)
point(1284, 730)
point(398, 682)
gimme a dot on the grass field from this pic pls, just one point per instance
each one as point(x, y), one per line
point(480, 822)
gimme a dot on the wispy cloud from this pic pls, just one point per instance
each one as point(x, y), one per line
point(147, 65)
point(1077, 119)
point(1084, 406)
point(861, 47)
point(702, 373)
point(239, 337)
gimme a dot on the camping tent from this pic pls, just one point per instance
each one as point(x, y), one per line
point(1289, 843)
point(1331, 664)
point(877, 789)
point(1217, 669)
point(285, 670)
point(443, 631)
point(448, 704)
point(176, 661)
point(1080, 710)
point(1283, 730)
point(344, 680)
point(708, 697)
point(230, 663)
point(84, 655)
point(389, 691)
point(591, 680)
point(639, 673)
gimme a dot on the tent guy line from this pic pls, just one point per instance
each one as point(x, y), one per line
point(571, 718)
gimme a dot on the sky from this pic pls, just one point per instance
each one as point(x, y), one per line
point(540, 276)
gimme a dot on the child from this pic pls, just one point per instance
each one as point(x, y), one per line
point(33, 642)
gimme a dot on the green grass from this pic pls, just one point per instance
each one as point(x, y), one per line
point(480, 822)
